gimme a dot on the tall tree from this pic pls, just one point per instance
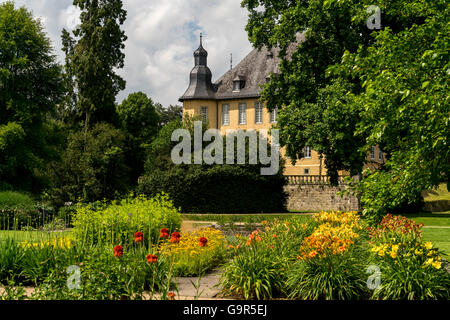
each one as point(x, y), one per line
point(31, 85)
point(140, 121)
point(305, 91)
point(347, 87)
point(93, 57)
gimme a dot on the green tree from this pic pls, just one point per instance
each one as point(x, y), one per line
point(405, 108)
point(140, 120)
point(346, 88)
point(31, 85)
point(93, 166)
point(210, 187)
point(92, 58)
point(172, 112)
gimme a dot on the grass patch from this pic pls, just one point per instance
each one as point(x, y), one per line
point(441, 219)
point(440, 193)
point(440, 238)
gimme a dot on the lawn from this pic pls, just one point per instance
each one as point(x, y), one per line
point(440, 193)
point(436, 228)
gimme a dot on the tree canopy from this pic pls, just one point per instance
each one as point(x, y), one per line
point(31, 85)
point(346, 87)
point(93, 56)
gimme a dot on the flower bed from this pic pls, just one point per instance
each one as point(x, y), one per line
point(334, 255)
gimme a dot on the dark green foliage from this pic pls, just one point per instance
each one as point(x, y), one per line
point(93, 166)
point(92, 58)
point(31, 85)
point(172, 112)
point(347, 88)
point(218, 189)
point(140, 120)
point(210, 188)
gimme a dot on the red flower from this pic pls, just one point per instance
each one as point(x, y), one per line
point(151, 258)
point(164, 233)
point(175, 237)
point(138, 237)
point(202, 242)
point(171, 295)
point(118, 251)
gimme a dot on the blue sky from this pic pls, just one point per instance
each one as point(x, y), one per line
point(162, 36)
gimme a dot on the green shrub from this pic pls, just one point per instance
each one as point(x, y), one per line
point(332, 278)
point(14, 199)
point(218, 189)
point(106, 277)
point(117, 222)
point(11, 258)
point(255, 274)
point(410, 267)
point(261, 265)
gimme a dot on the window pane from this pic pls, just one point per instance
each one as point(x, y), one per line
point(204, 113)
point(258, 112)
point(225, 114)
point(372, 153)
point(307, 152)
point(242, 113)
point(273, 115)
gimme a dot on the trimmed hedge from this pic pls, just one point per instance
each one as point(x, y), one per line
point(218, 188)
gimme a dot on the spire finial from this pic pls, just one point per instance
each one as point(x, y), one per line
point(201, 36)
point(231, 61)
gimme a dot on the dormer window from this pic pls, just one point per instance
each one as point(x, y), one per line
point(238, 83)
point(236, 86)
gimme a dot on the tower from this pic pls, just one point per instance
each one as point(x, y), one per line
point(200, 86)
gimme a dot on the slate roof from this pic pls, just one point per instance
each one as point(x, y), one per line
point(255, 68)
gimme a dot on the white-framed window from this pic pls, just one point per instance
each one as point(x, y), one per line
point(273, 115)
point(306, 171)
point(380, 155)
point(307, 152)
point(225, 114)
point(242, 113)
point(258, 112)
point(236, 86)
point(372, 153)
point(204, 113)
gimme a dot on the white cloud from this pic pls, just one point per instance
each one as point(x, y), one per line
point(161, 39)
point(70, 17)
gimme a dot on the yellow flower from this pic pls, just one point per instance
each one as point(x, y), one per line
point(418, 252)
point(428, 245)
point(393, 254)
point(436, 264)
point(381, 253)
point(429, 261)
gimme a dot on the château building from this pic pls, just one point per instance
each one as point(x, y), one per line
point(232, 102)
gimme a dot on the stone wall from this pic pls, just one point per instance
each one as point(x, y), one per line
point(316, 197)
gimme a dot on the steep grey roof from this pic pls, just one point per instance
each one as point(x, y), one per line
point(200, 86)
point(254, 69)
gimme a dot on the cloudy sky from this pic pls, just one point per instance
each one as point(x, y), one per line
point(162, 36)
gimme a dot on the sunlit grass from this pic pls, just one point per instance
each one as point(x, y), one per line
point(440, 193)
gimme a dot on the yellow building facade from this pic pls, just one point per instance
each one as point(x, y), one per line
point(232, 103)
